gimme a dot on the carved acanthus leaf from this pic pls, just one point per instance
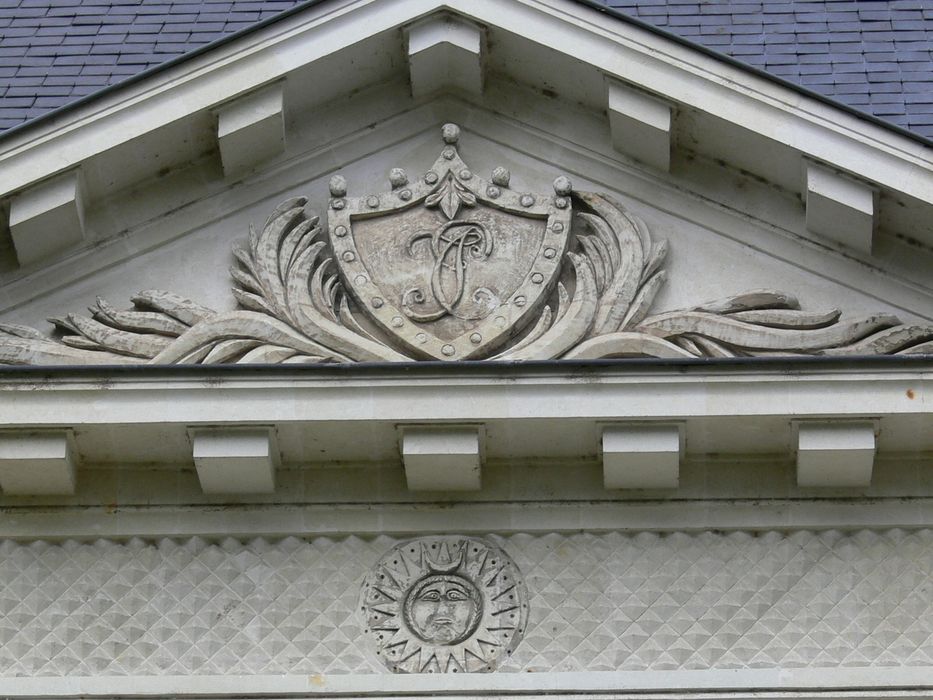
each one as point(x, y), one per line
point(449, 195)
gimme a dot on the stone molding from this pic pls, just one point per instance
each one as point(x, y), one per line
point(804, 684)
point(537, 414)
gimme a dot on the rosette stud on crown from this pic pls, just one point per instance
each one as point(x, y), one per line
point(501, 177)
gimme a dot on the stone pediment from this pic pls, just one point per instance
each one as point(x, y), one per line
point(566, 528)
point(668, 215)
point(449, 265)
point(446, 264)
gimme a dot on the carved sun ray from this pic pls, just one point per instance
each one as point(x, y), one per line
point(461, 606)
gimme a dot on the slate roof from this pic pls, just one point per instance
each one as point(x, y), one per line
point(874, 56)
point(53, 52)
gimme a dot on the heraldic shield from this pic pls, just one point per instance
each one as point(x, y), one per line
point(453, 265)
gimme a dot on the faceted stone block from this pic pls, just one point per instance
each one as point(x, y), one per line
point(642, 456)
point(445, 51)
point(48, 217)
point(841, 208)
point(251, 129)
point(640, 125)
point(835, 454)
point(443, 458)
point(235, 460)
point(37, 463)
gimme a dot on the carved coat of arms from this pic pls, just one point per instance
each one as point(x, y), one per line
point(450, 265)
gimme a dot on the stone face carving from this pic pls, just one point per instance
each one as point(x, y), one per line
point(444, 605)
point(452, 266)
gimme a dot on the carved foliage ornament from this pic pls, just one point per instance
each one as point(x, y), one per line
point(444, 604)
point(452, 267)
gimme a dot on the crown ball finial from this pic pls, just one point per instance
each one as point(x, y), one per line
point(501, 177)
point(397, 177)
point(338, 186)
point(450, 133)
point(563, 186)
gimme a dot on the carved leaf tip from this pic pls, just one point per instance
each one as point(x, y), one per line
point(743, 335)
point(750, 301)
point(63, 324)
point(282, 207)
point(622, 242)
point(178, 307)
point(643, 300)
point(14, 329)
point(657, 258)
point(899, 338)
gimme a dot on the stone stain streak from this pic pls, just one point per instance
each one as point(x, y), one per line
point(597, 602)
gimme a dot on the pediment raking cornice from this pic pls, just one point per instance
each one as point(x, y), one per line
point(141, 126)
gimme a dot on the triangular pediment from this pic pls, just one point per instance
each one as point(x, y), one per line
point(464, 348)
point(683, 224)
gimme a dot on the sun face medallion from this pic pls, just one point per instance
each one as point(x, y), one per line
point(444, 604)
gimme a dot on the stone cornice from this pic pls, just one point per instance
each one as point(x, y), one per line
point(147, 116)
point(558, 409)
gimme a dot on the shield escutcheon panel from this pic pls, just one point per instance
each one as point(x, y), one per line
point(453, 265)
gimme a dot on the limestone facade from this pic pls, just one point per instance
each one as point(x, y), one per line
point(533, 355)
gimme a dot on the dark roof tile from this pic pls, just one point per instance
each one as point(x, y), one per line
point(848, 50)
point(866, 47)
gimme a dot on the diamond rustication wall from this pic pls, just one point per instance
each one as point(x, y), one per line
point(597, 602)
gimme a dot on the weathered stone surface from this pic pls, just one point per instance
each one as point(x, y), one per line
point(451, 266)
point(48, 217)
point(642, 456)
point(835, 453)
